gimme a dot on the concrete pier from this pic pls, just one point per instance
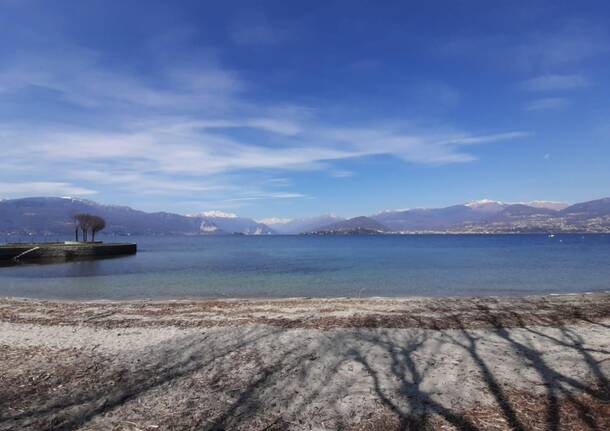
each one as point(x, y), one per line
point(63, 251)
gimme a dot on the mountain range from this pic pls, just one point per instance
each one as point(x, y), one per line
point(53, 215)
point(497, 217)
point(307, 224)
point(218, 222)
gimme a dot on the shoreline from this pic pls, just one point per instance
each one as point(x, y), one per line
point(320, 313)
point(273, 298)
point(195, 299)
point(429, 363)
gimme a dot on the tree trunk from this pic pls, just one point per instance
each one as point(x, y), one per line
point(93, 235)
point(85, 235)
point(76, 233)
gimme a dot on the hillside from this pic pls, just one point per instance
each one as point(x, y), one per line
point(231, 223)
point(53, 216)
point(353, 226)
point(497, 217)
point(306, 224)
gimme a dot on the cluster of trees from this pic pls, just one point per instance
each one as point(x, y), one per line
point(86, 223)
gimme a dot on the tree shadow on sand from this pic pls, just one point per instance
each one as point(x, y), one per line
point(558, 386)
point(166, 365)
point(295, 382)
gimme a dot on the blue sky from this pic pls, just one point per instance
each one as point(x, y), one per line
point(288, 109)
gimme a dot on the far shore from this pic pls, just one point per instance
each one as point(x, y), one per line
point(415, 363)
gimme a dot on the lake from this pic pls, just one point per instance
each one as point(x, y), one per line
point(313, 266)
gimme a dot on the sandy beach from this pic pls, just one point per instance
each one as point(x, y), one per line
point(529, 363)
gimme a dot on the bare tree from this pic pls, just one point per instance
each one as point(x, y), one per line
point(76, 228)
point(83, 222)
point(96, 224)
point(86, 223)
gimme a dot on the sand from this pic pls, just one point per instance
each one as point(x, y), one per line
point(531, 363)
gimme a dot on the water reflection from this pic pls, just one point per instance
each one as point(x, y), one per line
point(66, 263)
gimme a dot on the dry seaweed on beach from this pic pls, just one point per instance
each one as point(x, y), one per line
point(431, 313)
point(534, 363)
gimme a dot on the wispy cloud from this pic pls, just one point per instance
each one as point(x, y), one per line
point(341, 174)
point(572, 44)
point(266, 195)
point(43, 188)
point(569, 45)
point(555, 83)
point(550, 103)
point(183, 129)
point(244, 198)
point(143, 183)
point(192, 149)
point(76, 75)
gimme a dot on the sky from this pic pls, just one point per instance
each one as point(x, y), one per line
point(293, 109)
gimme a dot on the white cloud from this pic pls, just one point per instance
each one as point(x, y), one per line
point(483, 139)
point(550, 103)
point(341, 174)
point(281, 195)
point(267, 195)
point(274, 125)
point(183, 157)
point(144, 183)
point(76, 75)
point(186, 148)
point(555, 83)
point(274, 220)
point(180, 131)
point(43, 188)
point(243, 198)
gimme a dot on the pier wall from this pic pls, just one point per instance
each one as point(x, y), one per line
point(59, 251)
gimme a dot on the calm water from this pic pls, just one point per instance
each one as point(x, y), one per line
point(283, 266)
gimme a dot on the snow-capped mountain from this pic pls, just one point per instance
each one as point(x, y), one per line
point(306, 224)
point(437, 218)
point(53, 215)
point(274, 220)
point(556, 206)
point(395, 210)
point(214, 214)
point(486, 205)
point(229, 223)
point(491, 205)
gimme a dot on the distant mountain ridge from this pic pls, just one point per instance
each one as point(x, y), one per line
point(307, 224)
point(53, 215)
point(230, 223)
point(488, 216)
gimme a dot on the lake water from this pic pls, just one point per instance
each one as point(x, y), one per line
point(285, 266)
